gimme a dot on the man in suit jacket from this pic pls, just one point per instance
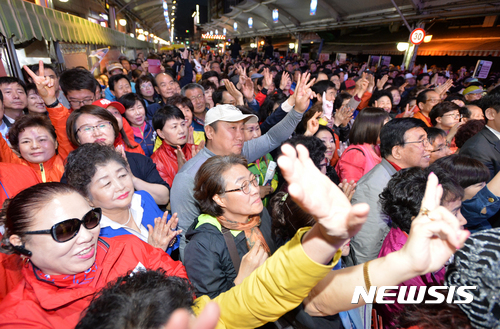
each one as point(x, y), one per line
point(403, 144)
point(485, 145)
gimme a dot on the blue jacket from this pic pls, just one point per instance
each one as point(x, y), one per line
point(150, 212)
point(479, 209)
point(147, 141)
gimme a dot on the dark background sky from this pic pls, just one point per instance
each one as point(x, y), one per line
point(183, 20)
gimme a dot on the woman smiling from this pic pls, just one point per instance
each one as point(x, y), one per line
point(102, 175)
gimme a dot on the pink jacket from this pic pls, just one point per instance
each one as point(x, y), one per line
point(356, 161)
point(394, 241)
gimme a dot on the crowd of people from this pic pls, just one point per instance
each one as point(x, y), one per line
point(248, 191)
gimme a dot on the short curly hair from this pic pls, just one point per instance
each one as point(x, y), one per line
point(209, 181)
point(81, 164)
point(402, 197)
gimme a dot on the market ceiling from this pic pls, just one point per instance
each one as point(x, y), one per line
point(294, 16)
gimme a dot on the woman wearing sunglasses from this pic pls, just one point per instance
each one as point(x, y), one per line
point(65, 262)
point(229, 198)
point(102, 175)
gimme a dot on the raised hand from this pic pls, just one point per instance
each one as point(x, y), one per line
point(312, 125)
point(435, 233)
point(44, 85)
point(402, 87)
point(343, 116)
point(303, 92)
point(267, 82)
point(319, 196)
point(247, 87)
point(442, 89)
point(163, 234)
point(408, 113)
point(381, 82)
point(234, 92)
point(285, 78)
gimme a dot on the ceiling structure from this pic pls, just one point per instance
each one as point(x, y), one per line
point(294, 16)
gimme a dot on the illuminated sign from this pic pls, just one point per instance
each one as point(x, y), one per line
point(213, 36)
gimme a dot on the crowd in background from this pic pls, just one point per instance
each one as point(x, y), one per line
point(175, 176)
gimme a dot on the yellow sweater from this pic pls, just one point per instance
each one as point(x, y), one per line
point(273, 289)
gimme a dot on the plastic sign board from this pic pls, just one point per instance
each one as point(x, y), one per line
point(417, 36)
point(213, 36)
point(482, 69)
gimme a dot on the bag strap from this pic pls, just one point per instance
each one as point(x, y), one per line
point(231, 246)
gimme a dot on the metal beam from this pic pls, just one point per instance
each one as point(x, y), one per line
point(329, 9)
point(402, 16)
point(146, 5)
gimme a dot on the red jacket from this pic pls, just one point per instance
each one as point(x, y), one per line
point(48, 171)
point(166, 160)
point(38, 304)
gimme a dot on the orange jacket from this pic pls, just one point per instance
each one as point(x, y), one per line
point(49, 171)
point(34, 303)
point(15, 178)
point(10, 273)
point(59, 116)
point(165, 159)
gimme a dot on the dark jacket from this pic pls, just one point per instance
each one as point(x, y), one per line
point(207, 258)
point(485, 147)
point(147, 140)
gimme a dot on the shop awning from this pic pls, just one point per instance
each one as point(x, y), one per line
point(25, 21)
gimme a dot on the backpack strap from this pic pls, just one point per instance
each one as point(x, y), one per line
point(231, 246)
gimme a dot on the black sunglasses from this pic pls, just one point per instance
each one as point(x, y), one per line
point(68, 229)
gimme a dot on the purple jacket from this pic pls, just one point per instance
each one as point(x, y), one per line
point(394, 241)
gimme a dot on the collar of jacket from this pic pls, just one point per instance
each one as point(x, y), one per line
point(52, 297)
point(207, 219)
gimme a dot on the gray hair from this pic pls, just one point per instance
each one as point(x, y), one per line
point(191, 86)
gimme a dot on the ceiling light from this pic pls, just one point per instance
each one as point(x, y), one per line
point(122, 22)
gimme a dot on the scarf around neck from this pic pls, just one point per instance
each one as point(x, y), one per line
point(251, 229)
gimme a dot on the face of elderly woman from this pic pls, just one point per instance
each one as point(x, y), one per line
point(111, 187)
point(70, 257)
point(237, 205)
point(93, 129)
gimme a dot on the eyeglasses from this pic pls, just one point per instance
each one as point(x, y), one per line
point(86, 101)
point(195, 98)
point(90, 129)
point(445, 146)
point(245, 187)
point(424, 142)
point(68, 229)
point(453, 115)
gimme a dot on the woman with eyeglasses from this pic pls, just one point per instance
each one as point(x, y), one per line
point(232, 237)
point(93, 124)
point(53, 228)
point(146, 88)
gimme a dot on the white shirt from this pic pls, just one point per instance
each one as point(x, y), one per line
point(496, 133)
point(136, 212)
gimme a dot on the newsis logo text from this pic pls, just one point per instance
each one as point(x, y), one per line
point(439, 293)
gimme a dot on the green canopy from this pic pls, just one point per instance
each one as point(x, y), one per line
point(25, 21)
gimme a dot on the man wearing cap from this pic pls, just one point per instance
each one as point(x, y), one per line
point(115, 69)
point(485, 145)
point(410, 79)
point(224, 126)
point(473, 93)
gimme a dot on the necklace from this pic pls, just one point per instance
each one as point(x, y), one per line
point(129, 217)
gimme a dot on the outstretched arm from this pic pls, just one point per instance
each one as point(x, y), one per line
point(433, 239)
